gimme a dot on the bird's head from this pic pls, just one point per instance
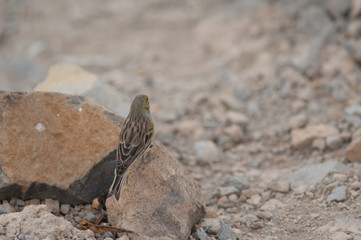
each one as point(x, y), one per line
point(140, 105)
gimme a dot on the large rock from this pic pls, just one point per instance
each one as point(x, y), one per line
point(36, 221)
point(353, 151)
point(71, 79)
point(158, 200)
point(304, 137)
point(313, 174)
point(55, 146)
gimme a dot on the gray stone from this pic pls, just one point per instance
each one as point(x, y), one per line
point(206, 151)
point(313, 21)
point(90, 217)
point(65, 208)
point(225, 191)
point(338, 8)
point(313, 174)
point(200, 234)
point(71, 79)
point(353, 110)
point(20, 203)
point(334, 142)
point(6, 209)
point(2, 230)
point(338, 194)
point(226, 232)
point(77, 219)
point(238, 181)
point(108, 235)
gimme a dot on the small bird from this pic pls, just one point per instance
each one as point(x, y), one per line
point(136, 135)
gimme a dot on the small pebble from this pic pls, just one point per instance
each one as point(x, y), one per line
point(20, 203)
point(2, 230)
point(77, 219)
point(90, 217)
point(334, 142)
point(264, 215)
point(254, 200)
point(124, 237)
point(225, 191)
point(282, 187)
point(212, 224)
point(52, 205)
point(319, 143)
point(338, 194)
point(297, 121)
point(65, 208)
point(226, 232)
point(108, 235)
point(6, 209)
point(200, 234)
point(257, 225)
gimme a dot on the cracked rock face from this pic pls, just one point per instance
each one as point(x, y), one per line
point(158, 200)
point(55, 145)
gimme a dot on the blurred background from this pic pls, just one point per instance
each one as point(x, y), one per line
point(228, 81)
point(271, 55)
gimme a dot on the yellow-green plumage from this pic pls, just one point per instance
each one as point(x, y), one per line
point(136, 135)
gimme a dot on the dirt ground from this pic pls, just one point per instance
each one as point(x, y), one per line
point(201, 61)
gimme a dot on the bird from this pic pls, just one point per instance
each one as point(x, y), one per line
point(136, 136)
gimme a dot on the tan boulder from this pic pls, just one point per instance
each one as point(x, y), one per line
point(353, 151)
point(158, 200)
point(57, 146)
point(71, 79)
point(304, 137)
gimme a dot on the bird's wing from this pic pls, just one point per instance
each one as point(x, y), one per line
point(133, 141)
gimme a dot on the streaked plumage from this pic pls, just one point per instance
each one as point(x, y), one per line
point(136, 135)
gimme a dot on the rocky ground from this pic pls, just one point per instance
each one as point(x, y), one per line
point(260, 100)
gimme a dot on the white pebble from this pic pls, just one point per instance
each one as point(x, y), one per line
point(40, 127)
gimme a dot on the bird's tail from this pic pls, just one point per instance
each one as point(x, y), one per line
point(116, 186)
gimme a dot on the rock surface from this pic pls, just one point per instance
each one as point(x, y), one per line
point(55, 146)
point(158, 200)
point(37, 221)
point(71, 79)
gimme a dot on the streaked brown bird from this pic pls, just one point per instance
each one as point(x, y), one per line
point(136, 135)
